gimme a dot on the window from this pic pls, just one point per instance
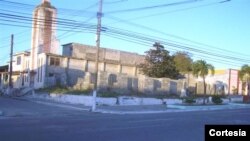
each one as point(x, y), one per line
point(18, 60)
point(92, 78)
point(112, 79)
point(54, 61)
point(51, 74)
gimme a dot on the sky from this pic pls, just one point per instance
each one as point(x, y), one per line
point(217, 31)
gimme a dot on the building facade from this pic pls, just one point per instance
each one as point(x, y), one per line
point(43, 39)
point(223, 82)
point(3, 76)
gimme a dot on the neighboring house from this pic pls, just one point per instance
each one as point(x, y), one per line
point(4, 76)
point(21, 69)
point(228, 80)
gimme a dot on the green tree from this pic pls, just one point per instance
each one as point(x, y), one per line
point(244, 75)
point(158, 63)
point(183, 62)
point(201, 68)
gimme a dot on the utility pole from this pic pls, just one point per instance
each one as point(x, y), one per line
point(11, 61)
point(98, 35)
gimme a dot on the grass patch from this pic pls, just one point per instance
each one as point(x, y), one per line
point(65, 90)
point(108, 94)
point(162, 96)
point(139, 95)
point(189, 100)
point(207, 96)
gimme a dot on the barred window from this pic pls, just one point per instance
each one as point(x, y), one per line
point(112, 79)
point(54, 61)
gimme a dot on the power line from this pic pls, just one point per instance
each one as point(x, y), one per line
point(174, 36)
point(115, 2)
point(24, 6)
point(130, 34)
point(175, 49)
point(138, 38)
point(40, 20)
point(152, 7)
point(26, 20)
point(159, 14)
point(76, 25)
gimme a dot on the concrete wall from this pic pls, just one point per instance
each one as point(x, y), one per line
point(117, 77)
point(125, 84)
point(121, 100)
point(107, 55)
point(160, 85)
point(117, 71)
point(72, 72)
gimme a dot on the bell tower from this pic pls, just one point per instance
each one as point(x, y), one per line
point(43, 38)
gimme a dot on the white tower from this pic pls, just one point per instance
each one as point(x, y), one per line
point(43, 31)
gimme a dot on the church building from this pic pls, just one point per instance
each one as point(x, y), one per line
point(44, 67)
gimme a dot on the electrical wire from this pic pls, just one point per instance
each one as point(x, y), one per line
point(126, 35)
point(152, 7)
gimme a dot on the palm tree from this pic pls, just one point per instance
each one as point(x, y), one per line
point(201, 68)
point(244, 75)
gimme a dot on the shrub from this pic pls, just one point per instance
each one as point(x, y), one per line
point(189, 100)
point(216, 99)
point(65, 90)
point(108, 94)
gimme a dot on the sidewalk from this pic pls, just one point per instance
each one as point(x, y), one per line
point(147, 109)
point(137, 109)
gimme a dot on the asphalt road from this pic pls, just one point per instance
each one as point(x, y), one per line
point(28, 121)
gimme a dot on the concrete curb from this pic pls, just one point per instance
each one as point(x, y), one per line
point(56, 104)
point(169, 108)
point(61, 105)
point(177, 109)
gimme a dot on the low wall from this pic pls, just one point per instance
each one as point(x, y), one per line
point(236, 99)
point(122, 100)
point(88, 100)
point(139, 101)
point(80, 99)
